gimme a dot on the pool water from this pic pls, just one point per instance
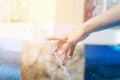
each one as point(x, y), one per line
point(9, 65)
point(102, 62)
point(10, 51)
point(8, 72)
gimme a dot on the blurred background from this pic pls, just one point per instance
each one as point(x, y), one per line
point(21, 19)
point(46, 11)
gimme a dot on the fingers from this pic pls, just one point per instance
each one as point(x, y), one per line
point(61, 38)
point(54, 50)
point(62, 45)
point(60, 42)
point(72, 48)
point(64, 57)
point(58, 45)
point(64, 50)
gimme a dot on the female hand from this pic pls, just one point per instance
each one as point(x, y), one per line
point(67, 42)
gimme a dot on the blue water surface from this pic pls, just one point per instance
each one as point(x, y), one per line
point(102, 62)
point(8, 72)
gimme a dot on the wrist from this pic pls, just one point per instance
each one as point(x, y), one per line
point(88, 27)
point(85, 28)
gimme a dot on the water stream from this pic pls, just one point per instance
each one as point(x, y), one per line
point(63, 68)
point(42, 40)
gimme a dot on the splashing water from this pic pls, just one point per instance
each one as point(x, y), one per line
point(43, 40)
point(64, 69)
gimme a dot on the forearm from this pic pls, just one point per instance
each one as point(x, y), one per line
point(110, 16)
